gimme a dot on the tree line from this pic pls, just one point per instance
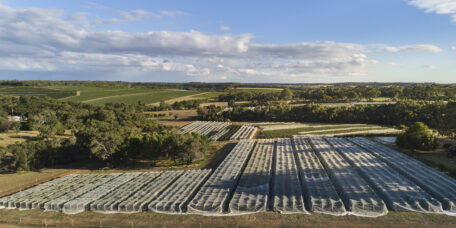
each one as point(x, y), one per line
point(346, 94)
point(437, 115)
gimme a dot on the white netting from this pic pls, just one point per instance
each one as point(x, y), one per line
point(82, 203)
point(287, 192)
point(245, 132)
point(175, 198)
point(386, 140)
point(138, 202)
point(37, 200)
point(252, 192)
point(356, 194)
point(57, 204)
point(109, 202)
point(9, 201)
point(440, 186)
point(398, 193)
point(318, 190)
point(214, 194)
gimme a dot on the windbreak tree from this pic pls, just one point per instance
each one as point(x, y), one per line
point(417, 137)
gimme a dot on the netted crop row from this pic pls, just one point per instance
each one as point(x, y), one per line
point(356, 194)
point(214, 194)
point(386, 140)
point(440, 186)
point(207, 128)
point(397, 192)
point(245, 132)
point(37, 200)
point(287, 192)
point(175, 198)
point(109, 202)
point(229, 131)
point(8, 201)
point(57, 204)
point(319, 192)
point(138, 202)
point(252, 192)
point(82, 202)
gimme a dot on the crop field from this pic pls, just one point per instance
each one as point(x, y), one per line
point(302, 175)
point(36, 91)
point(220, 131)
point(275, 130)
point(97, 95)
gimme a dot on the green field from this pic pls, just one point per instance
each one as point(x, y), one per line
point(209, 95)
point(99, 95)
point(262, 90)
point(35, 91)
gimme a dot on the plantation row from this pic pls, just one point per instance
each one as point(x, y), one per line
point(220, 131)
point(335, 176)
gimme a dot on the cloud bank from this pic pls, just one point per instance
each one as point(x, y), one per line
point(43, 40)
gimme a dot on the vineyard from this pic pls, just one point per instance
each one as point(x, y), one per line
point(302, 175)
point(220, 131)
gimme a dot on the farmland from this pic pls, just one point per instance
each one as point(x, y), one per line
point(274, 130)
point(36, 91)
point(220, 130)
point(99, 95)
point(356, 169)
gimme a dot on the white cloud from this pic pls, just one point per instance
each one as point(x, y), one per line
point(416, 47)
point(453, 48)
point(429, 67)
point(437, 6)
point(136, 15)
point(172, 13)
point(224, 28)
point(43, 40)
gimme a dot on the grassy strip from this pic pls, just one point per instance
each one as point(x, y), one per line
point(286, 133)
point(266, 219)
point(347, 131)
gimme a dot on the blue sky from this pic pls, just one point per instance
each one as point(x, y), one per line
point(242, 41)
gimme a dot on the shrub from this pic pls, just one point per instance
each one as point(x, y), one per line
point(4, 125)
point(418, 136)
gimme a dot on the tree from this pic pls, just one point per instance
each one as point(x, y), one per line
point(45, 122)
point(417, 137)
point(16, 126)
point(286, 94)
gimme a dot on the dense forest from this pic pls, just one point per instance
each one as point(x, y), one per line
point(113, 134)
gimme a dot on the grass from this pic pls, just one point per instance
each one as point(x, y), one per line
point(16, 181)
point(263, 90)
point(98, 96)
point(266, 219)
point(209, 95)
point(286, 133)
point(35, 91)
point(8, 138)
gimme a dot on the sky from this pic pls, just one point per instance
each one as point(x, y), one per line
point(255, 41)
